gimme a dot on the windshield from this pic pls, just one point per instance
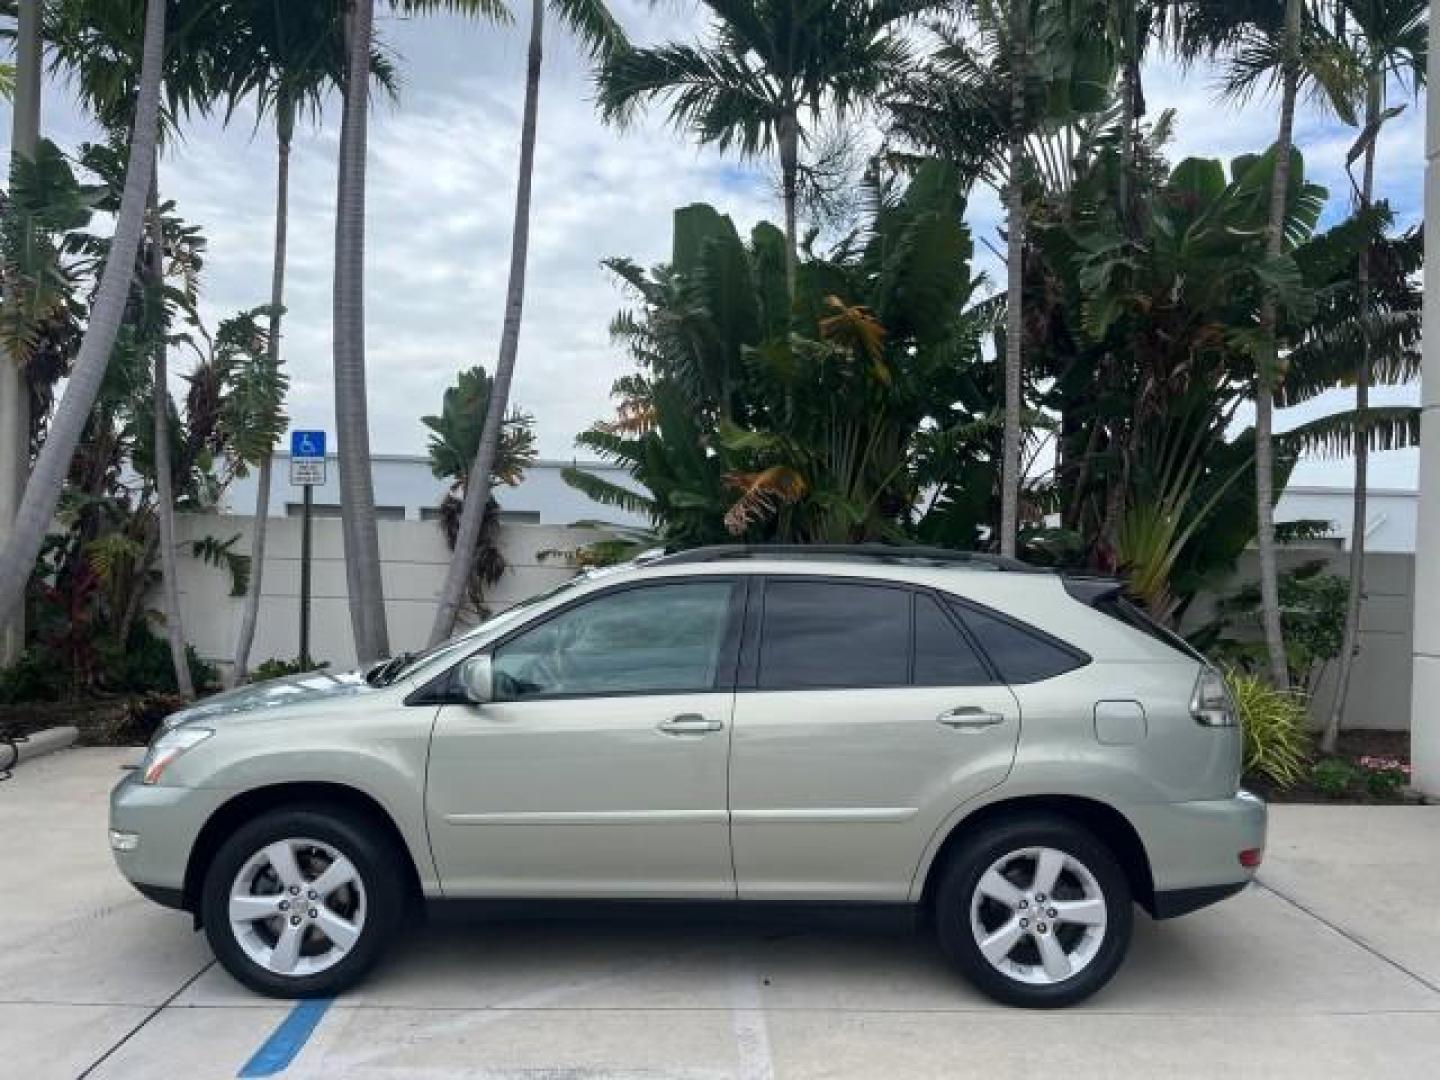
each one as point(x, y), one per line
point(387, 671)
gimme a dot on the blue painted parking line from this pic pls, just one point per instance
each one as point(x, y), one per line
point(287, 1040)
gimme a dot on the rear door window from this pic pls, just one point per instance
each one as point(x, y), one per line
point(833, 635)
point(943, 655)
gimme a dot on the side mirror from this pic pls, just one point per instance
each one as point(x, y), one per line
point(477, 678)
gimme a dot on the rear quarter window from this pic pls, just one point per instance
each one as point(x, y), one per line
point(1019, 652)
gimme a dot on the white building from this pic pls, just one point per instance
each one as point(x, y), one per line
point(1390, 514)
point(406, 490)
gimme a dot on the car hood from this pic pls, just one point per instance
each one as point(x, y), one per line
point(311, 688)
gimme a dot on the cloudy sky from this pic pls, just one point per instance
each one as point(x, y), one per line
point(440, 200)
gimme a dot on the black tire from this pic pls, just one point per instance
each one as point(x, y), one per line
point(358, 839)
point(960, 878)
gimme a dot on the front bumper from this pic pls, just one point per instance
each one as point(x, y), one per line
point(1194, 849)
point(159, 826)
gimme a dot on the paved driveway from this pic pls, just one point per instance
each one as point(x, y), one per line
point(1331, 968)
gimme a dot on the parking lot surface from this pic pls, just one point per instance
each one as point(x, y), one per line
point(1330, 967)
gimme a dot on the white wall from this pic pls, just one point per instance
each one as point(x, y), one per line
point(1379, 695)
point(413, 555)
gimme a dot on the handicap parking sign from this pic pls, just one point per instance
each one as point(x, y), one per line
point(307, 458)
point(307, 444)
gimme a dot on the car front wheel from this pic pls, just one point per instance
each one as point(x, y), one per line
point(301, 902)
point(1036, 912)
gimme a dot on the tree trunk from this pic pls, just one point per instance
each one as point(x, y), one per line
point(164, 481)
point(478, 482)
point(284, 131)
point(788, 138)
point(357, 488)
point(42, 493)
point(1356, 597)
point(1015, 288)
point(14, 388)
point(1269, 361)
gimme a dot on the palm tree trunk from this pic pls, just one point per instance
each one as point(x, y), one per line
point(1015, 287)
point(1269, 361)
point(42, 493)
point(14, 388)
point(1356, 597)
point(164, 481)
point(357, 488)
point(477, 484)
point(284, 131)
point(789, 140)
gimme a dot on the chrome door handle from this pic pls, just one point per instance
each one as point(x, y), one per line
point(688, 724)
point(970, 718)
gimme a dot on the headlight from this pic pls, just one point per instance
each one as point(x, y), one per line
point(167, 747)
point(1210, 705)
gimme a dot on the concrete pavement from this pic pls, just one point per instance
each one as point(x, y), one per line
point(1327, 970)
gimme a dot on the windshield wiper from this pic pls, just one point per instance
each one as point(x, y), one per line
point(386, 673)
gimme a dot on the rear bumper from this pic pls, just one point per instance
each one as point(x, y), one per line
point(1175, 902)
point(1194, 849)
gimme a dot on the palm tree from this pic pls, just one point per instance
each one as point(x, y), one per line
point(287, 57)
point(602, 36)
point(14, 395)
point(1271, 42)
point(1018, 58)
point(357, 489)
point(980, 93)
point(1268, 361)
point(164, 480)
point(98, 43)
point(769, 68)
point(42, 492)
point(1390, 43)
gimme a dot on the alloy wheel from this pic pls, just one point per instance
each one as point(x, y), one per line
point(1038, 915)
point(297, 907)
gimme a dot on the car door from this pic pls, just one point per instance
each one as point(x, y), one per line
point(600, 770)
point(863, 717)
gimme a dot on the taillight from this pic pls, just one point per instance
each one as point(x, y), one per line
point(1210, 705)
point(1250, 857)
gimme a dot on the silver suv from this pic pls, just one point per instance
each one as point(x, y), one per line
point(1014, 755)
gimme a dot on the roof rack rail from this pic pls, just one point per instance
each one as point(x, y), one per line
point(893, 553)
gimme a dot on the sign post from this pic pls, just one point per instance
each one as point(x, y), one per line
point(307, 468)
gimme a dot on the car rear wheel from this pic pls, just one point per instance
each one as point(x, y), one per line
point(1035, 911)
point(302, 902)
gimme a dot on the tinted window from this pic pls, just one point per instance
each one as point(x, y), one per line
point(1020, 655)
point(943, 657)
point(660, 638)
point(832, 634)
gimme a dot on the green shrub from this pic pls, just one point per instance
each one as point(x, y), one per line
point(1332, 776)
point(1277, 744)
point(35, 676)
point(144, 665)
point(275, 668)
point(1384, 777)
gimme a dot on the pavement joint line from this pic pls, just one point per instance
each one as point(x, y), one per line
point(1353, 938)
point(156, 1011)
